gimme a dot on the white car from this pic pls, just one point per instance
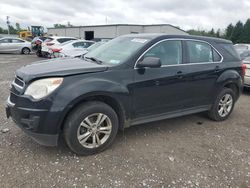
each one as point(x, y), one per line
point(73, 48)
point(54, 40)
point(14, 45)
point(247, 74)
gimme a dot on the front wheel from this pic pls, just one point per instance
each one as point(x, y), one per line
point(26, 51)
point(223, 105)
point(91, 128)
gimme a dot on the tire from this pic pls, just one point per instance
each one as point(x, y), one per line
point(81, 125)
point(39, 53)
point(26, 51)
point(222, 107)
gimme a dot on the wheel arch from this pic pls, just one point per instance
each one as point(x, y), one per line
point(101, 97)
point(230, 79)
point(25, 47)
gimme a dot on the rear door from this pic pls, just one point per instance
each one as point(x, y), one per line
point(202, 68)
point(16, 45)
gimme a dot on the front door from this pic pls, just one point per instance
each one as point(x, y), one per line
point(160, 90)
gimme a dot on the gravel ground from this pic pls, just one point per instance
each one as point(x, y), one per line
point(190, 151)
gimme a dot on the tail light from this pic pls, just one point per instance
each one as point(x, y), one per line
point(37, 42)
point(56, 49)
point(50, 43)
point(244, 69)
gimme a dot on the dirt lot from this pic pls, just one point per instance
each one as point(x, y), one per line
point(190, 151)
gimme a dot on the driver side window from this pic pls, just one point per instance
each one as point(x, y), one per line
point(169, 52)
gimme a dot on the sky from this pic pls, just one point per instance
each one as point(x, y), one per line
point(186, 14)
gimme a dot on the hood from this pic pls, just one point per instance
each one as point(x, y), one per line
point(58, 67)
point(74, 52)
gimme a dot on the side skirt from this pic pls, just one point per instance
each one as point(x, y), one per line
point(169, 115)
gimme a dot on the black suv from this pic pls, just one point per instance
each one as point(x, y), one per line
point(130, 80)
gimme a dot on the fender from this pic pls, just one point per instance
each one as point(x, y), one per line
point(228, 77)
point(84, 88)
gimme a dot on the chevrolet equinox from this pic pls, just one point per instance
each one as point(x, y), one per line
point(130, 80)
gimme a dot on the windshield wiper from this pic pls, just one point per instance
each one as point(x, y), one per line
point(94, 59)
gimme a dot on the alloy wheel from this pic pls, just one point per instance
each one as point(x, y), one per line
point(225, 105)
point(94, 130)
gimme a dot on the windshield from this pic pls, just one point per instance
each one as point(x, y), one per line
point(117, 50)
point(94, 46)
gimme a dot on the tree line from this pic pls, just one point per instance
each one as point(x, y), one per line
point(13, 30)
point(238, 33)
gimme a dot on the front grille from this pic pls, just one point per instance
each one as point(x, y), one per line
point(17, 86)
point(19, 82)
point(13, 98)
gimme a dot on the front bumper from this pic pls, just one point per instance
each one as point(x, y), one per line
point(31, 121)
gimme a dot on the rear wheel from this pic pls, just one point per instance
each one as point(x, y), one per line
point(25, 51)
point(223, 105)
point(91, 128)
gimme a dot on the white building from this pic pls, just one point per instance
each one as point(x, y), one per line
point(96, 32)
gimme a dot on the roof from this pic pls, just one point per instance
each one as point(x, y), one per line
point(110, 25)
point(195, 37)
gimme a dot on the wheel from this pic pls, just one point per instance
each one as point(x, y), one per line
point(25, 51)
point(90, 128)
point(223, 105)
point(39, 53)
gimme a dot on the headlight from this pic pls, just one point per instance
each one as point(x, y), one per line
point(43, 87)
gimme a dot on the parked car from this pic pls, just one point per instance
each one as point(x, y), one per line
point(36, 45)
point(242, 47)
point(54, 40)
point(247, 72)
point(92, 47)
point(131, 80)
point(244, 54)
point(243, 50)
point(73, 48)
point(14, 45)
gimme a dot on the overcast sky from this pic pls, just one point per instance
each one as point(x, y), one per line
point(187, 14)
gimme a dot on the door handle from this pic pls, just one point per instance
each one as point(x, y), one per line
point(179, 74)
point(157, 82)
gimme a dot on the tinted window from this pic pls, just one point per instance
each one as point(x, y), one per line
point(231, 52)
point(169, 52)
point(199, 52)
point(5, 41)
point(82, 44)
point(16, 41)
point(216, 56)
point(65, 39)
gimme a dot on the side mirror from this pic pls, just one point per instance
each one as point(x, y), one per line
point(151, 62)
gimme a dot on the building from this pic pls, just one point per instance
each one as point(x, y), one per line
point(96, 32)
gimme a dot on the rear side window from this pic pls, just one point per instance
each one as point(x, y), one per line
point(201, 52)
point(5, 41)
point(231, 52)
point(62, 40)
point(17, 41)
point(82, 44)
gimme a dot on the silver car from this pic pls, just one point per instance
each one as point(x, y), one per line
point(247, 72)
point(13, 45)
